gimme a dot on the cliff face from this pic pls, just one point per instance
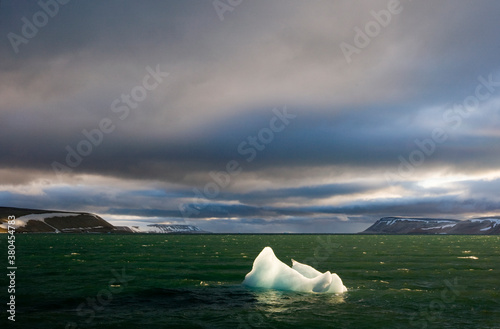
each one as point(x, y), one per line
point(401, 225)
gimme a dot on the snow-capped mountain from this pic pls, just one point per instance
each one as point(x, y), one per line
point(48, 221)
point(402, 225)
point(171, 228)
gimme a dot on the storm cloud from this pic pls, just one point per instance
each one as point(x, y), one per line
point(273, 116)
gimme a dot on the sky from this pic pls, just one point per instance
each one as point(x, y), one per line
point(251, 116)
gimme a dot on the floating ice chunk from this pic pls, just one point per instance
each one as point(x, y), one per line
point(306, 270)
point(336, 285)
point(269, 272)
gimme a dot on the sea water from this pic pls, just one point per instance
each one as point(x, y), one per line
point(194, 281)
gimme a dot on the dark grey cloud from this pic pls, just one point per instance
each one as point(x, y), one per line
point(486, 189)
point(306, 192)
point(435, 206)
point(354, 124)
point(368, 140)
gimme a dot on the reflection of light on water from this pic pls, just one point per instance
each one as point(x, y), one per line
point(275, 301)
point(469, 257)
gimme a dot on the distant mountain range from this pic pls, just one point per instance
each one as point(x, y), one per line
point(53, 221)
point(170, 228)
point(403, 225)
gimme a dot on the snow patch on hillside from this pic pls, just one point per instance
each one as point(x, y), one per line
point(23, 220)
point(494, 221)
point(391, 221)
point(170, 228)
point(438, 227)
point(395, 220)
point(45, 216)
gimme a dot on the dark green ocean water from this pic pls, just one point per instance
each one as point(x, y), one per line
point(193, 281)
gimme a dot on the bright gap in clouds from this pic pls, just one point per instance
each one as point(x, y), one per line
point(443, 180)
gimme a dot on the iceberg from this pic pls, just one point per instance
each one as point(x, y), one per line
point(269, 272)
